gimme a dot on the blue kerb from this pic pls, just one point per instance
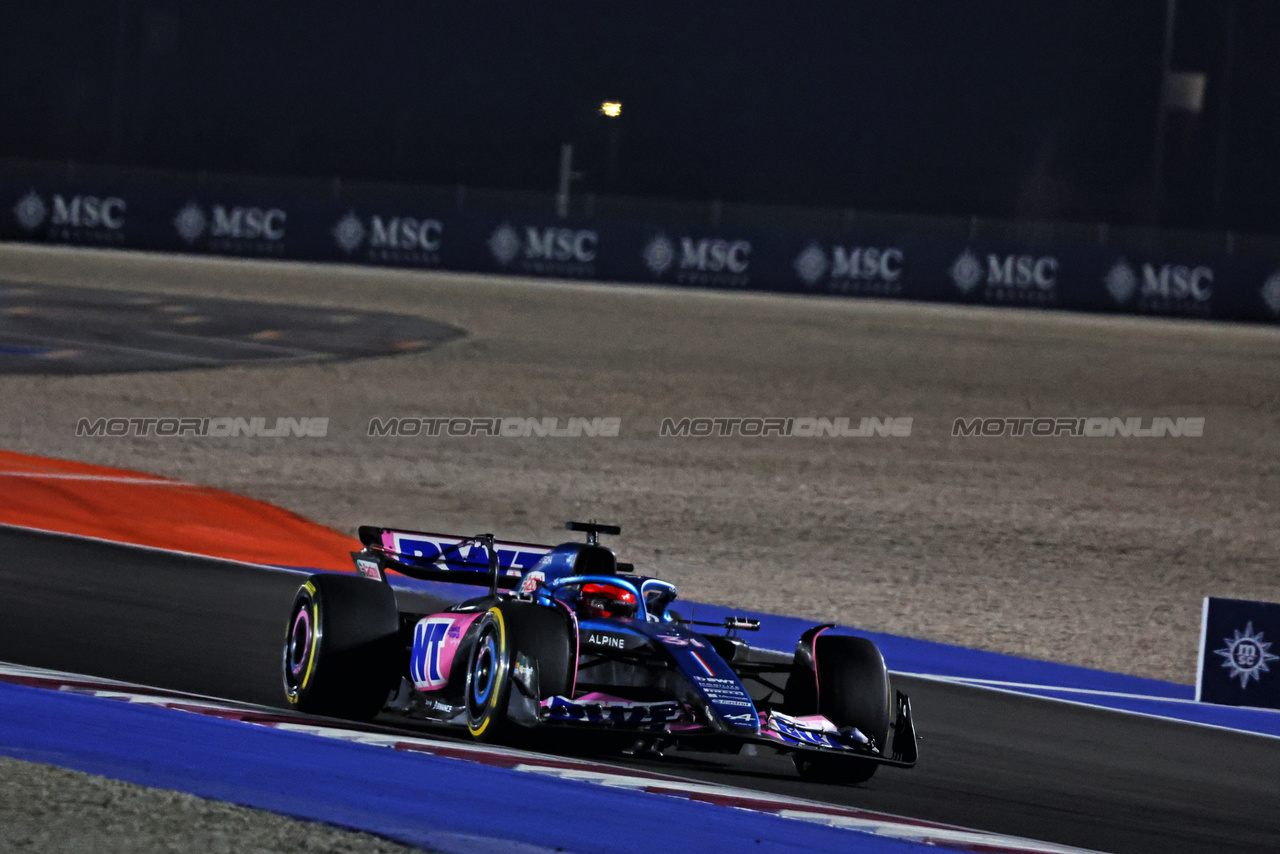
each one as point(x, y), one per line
point(423, 800)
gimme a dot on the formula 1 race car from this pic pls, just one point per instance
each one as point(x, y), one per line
point(568, 642)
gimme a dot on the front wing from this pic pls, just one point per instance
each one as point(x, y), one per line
point(676, 721)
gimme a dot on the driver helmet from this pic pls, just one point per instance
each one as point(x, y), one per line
point(606, 600)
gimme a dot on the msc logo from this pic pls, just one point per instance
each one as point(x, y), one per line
point(248, 223)
point(1162, 285)
point(88, 212)
point(1120, 282)
point(857, 264)
point(1177, 282)
point(428, 642)
point(563, 245)
point(659, 254)
point(30, 211)
point(1246, 655)
point(1271, 292)
point(714, 256)
point(706, 260)
point(71, 212)
point(236, 223)
point(408, 233)
point(1023, 272)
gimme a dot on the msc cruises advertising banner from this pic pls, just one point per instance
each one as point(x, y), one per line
point(393, 227)
point(1239, 654)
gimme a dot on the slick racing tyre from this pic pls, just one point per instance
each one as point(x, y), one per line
point(341, 647)
point(853, 690)
point(511, 635)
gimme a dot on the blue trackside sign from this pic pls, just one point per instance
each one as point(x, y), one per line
point(1238, 665)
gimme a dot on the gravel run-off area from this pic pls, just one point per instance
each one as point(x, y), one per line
point(1091, 551)
point(46, 809)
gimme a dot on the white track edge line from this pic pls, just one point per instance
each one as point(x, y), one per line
point(148, 481)
point(1031, 686)
point(1013, 692)
point(1204, 637)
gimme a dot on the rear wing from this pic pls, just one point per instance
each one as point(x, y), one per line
point(479, 560)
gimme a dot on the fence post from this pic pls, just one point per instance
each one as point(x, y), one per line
point(566, 175)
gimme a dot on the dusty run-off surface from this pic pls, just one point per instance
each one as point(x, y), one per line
point(1088, 551)
point(48, 809)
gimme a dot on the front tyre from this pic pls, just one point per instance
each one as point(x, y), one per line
point(341, 647)
point(853, 690)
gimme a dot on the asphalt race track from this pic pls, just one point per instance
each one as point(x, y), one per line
point(1009, 764)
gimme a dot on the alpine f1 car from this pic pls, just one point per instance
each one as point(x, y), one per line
point(568, 642)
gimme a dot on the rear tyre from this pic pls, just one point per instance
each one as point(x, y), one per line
point(342, 647)
point(509, 633)
point(853, 690)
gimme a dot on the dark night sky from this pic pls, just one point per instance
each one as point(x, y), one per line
point(995, 107)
